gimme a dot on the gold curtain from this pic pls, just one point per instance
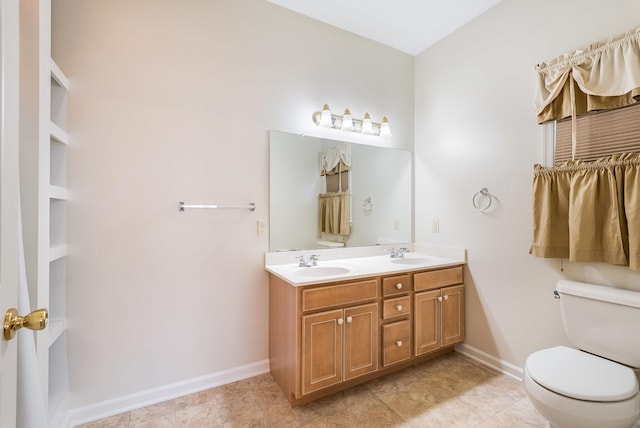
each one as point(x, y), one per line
point(589, 211)
point(335, 213)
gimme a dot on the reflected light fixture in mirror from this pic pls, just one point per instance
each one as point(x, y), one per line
point(346, 122)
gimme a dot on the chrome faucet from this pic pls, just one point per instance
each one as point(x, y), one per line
point(308, 261)
point(398, 254)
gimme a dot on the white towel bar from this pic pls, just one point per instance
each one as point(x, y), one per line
point(182, 206)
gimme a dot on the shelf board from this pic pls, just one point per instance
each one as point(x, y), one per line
point(58, 75)
point(58, 134)
point(56, 327)
point(57, 192)
point(57, 252)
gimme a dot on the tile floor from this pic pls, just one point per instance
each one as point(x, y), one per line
point(450, 391)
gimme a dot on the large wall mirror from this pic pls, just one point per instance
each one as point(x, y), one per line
point(364, 200)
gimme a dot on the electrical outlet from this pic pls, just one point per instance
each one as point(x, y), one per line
point(435, 225)
point(262, 227)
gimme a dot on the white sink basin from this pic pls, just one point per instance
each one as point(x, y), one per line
point(322, 271)
point(410, 260)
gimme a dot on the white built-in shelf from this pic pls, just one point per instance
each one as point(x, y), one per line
point(58, 75)
point(59, 134)
point(56, 328)
point(57, 192)
point(57, 252)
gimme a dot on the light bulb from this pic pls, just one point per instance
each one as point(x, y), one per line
point(367, 126)
point(325, 119)
point(347, 121)
point(385, 130)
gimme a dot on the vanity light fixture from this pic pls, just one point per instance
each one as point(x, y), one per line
point(367, 125)
point(346, 122)
point(385, 130)
point(325, 118)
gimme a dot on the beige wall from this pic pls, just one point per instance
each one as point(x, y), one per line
point(172, 101)
point(475, 128)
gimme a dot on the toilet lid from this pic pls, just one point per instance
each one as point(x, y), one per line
point(577, 374)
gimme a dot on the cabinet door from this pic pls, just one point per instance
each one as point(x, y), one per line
point(427, 320)
point(396, 342)
point(360, 340)
point(452, 315)
point(321, 350)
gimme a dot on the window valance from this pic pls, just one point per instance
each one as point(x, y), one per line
point(605, 75)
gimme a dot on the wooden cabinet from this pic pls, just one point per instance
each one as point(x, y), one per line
point(396, 342)
point(324, 338)
point(452, 314)
point(338, 345)
point(438, 312)
point(321, 350)
point(396, 319)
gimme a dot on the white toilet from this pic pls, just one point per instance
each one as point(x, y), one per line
point(597, 385)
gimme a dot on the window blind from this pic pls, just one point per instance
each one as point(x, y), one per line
point(599, 134)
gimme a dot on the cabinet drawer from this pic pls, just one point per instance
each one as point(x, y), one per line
point(341, 294)
point(437, 278)
point(396, 307)
point(396, 285)
point(396, 339)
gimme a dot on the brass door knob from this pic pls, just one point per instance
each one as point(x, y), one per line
point(36, 320)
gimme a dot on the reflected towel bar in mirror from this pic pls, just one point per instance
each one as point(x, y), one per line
point(182, 206)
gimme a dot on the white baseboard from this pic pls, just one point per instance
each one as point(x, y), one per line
point(491, 361)
point(104, 409)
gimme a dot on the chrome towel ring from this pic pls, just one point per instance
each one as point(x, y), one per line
point(482, 200)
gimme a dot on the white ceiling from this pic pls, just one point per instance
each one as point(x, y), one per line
point(407, 25)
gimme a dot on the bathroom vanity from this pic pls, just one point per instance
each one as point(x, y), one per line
point(347, 321)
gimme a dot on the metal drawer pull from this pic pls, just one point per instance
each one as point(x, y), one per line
point(349, 319)
point(340, 321)
point(439, 298)
point(399, 343)
point(446, 297)
point(399, 308)
point(399, 286)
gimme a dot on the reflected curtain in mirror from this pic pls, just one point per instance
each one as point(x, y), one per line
point(335, 213)
point(588, 211)
point(334, 206)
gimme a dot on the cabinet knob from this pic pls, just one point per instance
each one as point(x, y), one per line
point(340, 321)
point(446, 297)
point(399, 343)
point(399, 286)
point(349, 319)
point(439, 298)
point(399, 308)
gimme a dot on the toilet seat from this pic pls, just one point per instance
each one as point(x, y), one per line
point(582, 376)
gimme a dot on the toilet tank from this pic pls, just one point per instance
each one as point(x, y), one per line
point(602, 320)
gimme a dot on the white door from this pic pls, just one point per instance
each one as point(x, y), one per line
point(9, 188)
